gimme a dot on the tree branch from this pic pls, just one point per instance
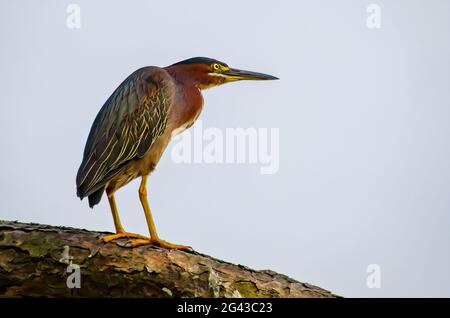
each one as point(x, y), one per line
point(35, 261)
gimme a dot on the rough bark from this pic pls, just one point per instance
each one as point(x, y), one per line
point(32, 264)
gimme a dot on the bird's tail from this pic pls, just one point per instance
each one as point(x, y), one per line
point(95, 197)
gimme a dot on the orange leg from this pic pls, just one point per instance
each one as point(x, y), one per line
point(154, 238)
point(120, 232)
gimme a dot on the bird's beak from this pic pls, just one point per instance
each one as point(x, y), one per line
point(233, 74)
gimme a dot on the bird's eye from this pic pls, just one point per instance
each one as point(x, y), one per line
point(216, 66)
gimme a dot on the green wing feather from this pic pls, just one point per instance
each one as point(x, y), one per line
point(132, 118)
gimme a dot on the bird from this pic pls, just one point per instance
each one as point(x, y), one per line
point(135, 125)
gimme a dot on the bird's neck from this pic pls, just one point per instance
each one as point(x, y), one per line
point(188, 98)
point(183, 75)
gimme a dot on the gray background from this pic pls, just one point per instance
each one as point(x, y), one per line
point(364, 126)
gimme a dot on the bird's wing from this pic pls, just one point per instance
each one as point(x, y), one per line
point(132, 118)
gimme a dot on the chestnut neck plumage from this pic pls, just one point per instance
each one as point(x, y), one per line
point(188, 97)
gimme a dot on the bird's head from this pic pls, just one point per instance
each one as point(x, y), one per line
point(206, 72)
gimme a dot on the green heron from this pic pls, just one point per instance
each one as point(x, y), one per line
point(135, 125)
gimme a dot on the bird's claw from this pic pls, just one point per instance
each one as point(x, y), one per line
point(158, 242)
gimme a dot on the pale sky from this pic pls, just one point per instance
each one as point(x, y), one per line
point(363, 118)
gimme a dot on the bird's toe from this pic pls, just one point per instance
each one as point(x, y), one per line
point(109, 238)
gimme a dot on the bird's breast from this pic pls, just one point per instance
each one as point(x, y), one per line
point(179, 130)
point(188, 104)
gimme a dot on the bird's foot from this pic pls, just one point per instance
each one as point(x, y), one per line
point(109, 238)
point(158, 242)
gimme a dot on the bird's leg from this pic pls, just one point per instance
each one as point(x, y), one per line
point(115, 213)
point(154, 238)
point(120, 232)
